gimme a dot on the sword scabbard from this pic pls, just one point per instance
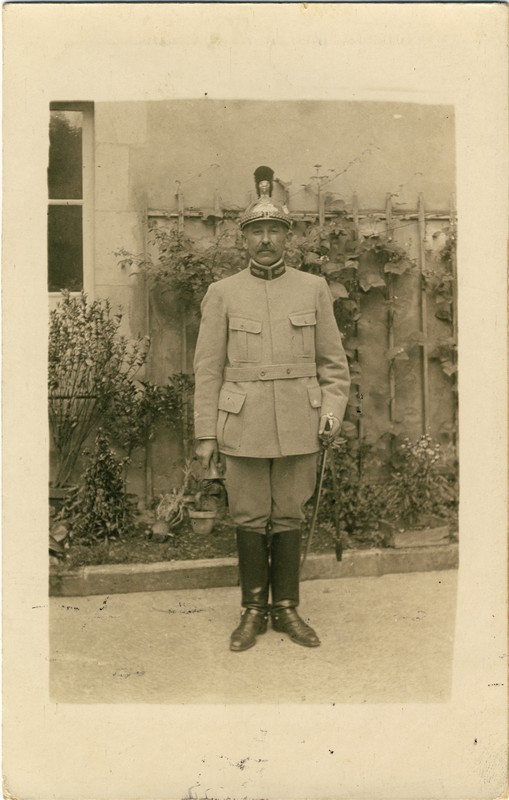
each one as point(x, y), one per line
point(309, 539)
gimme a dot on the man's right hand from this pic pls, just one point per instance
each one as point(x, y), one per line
point(206, 450)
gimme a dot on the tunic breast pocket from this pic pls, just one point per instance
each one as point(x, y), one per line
point(245, 339)
point(303, 324)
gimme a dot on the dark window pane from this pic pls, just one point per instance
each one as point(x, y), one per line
point(65, 248)
point(65, 155)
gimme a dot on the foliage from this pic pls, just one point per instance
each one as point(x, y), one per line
point(184, 267)
point(100, 508)
point(440, 283)
point(353, 265)
point(418, 486)
point(445, 353)
point(88, 364)
point(171, 505)
point(360, 503)
point(136, 408)
point(178, 398)
point(197, 492)
point(187, 268)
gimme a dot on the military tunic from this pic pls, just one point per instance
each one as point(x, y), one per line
point(268, 363)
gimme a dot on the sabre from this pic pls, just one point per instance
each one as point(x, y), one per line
point(325, 451)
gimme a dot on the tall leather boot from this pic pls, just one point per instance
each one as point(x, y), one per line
point(254, 583)
point(284, 575)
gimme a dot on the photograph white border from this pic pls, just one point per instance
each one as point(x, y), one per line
point(423, 53)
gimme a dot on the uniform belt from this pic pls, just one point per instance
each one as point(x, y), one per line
point(270, 372)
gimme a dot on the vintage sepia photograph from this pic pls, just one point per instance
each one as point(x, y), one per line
point(255, 402)
point(252, 401)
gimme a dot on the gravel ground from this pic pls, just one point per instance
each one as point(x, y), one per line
point(384, 640)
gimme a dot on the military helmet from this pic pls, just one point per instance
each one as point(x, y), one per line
point(264, 207)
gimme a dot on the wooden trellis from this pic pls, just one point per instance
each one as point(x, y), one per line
point(389, 221)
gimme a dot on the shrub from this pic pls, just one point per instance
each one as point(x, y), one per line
point(360, 504)
point(88, 362)
point(100, 508)
point(137, 406)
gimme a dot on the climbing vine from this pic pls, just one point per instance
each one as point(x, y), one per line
point(354, 265)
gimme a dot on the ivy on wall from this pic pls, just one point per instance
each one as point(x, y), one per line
point(353, 264)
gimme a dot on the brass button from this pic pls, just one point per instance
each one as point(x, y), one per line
point(262, 373)
point(288, 371)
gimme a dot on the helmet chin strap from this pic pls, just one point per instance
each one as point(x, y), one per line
point(267, 266)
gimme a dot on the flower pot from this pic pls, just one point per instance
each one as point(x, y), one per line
point(425, 537)
point(202, 521)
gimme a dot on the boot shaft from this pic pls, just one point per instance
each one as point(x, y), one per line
point(285, 568)
point(253, 557)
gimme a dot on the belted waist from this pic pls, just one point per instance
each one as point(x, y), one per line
point(270, 372)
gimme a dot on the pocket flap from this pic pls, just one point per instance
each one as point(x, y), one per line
point(302, 318)
point(230, 401)
point(242, 324)
point(315, 396)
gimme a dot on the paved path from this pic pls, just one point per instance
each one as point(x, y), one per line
point(384, 640)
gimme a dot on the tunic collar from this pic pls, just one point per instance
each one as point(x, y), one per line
point(267, 273)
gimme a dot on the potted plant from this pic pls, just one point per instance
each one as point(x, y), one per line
point(170, 509)
point(198, 496)
point(203, 508)
point(207, 496)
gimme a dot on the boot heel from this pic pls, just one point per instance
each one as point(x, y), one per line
point(263, 626)
point(286, 620)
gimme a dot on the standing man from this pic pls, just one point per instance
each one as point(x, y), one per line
point(271, 379)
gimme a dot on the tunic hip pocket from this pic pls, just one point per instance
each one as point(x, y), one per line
point(303, 333)
point(229, 419)
point(245, 339)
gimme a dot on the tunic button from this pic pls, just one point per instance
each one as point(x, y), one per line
point(262, 373)
point(288, 371)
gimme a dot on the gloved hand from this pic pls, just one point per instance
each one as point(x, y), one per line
point(329, 427)
point(206, 450)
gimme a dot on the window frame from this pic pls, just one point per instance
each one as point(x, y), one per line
point(87, 199)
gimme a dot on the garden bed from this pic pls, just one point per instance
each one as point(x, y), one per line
point(185, 545)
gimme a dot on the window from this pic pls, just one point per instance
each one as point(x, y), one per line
point(70, 192)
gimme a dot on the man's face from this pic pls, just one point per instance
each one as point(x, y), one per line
point(265, 241)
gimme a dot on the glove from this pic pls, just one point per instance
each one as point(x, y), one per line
point(329, 427)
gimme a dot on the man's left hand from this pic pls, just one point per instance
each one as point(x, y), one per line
point(329, 427)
